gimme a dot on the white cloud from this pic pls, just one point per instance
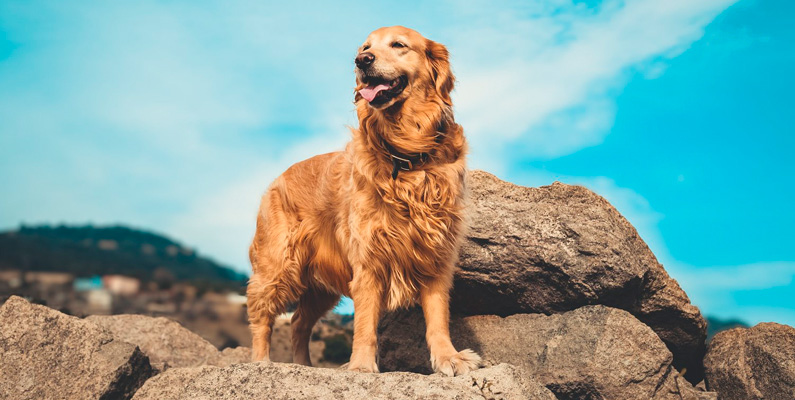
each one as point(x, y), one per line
point(715, 290)
point(548, 83)
point(222, 222)
point(749, 276)
point(133, 113)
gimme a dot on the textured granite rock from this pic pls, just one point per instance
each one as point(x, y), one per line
point(752, 363)
point(45, 354)
point(594, 352)
point(559, 247)
point(167, 343)
point(276, 381)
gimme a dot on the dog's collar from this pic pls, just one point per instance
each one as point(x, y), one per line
point(407, 162)
point(403, 161)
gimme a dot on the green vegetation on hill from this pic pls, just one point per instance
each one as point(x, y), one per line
point(88, 250)
point(715, 325)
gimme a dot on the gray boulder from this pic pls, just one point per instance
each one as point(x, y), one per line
point(559, 247)
point(45, 354)
point(752, 363)
point(266, 380)
point(229, 356)
point(594, 352)
point(167, 343)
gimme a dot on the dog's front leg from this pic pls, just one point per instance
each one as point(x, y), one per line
point(367, 295)
point(435, 299)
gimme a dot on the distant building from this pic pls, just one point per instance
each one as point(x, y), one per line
point(148, 249)
point(161, 308)
point(184, 291)
point(12, 278)
point(86, 284)
point(108, 244)
point(48, 278)
point(121, 285)
point(50, 288)
point(99, 301)
point(172, 250)
point(235, 298)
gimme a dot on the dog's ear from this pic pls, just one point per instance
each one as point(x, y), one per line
point(442, 77)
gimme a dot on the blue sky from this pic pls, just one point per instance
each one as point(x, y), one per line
point(174, 116)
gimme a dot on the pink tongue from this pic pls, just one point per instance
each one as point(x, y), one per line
point(370, 92)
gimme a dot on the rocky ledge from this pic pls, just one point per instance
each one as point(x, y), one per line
point(560, 247)
point(555, 290)
point(594, 352)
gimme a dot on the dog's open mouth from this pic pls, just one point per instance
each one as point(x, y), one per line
point(379, 91)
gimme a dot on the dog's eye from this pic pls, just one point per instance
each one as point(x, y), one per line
point(366, 47)
point(398, 45)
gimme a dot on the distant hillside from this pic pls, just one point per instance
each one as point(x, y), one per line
point(715, 325)
point(89, 250)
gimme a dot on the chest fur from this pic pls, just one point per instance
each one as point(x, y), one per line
point(412, 232)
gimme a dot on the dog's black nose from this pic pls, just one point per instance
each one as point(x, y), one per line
point(364, 60)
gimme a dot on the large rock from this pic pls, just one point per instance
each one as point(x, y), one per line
point(266, 380)
point(556, 248)
point(167, 343)
point(45, 354)
point(754, 363)
point(594, 352)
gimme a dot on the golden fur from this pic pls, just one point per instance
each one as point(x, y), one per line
point(338, 224)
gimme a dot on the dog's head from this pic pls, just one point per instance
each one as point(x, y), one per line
point(396, 63)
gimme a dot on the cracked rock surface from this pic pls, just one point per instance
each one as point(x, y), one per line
point(45, 354)
point(594, 352)
point(556, 248)
point(276, 381)
point(167, 343)
point(752, 363)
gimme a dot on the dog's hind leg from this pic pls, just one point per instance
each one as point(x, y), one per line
point(263, 307)
point(278, 257)
point(314, 303)
point(266, 300)
point(272, 286)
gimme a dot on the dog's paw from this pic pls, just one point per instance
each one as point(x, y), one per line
point(457, 363)
point(363, 366)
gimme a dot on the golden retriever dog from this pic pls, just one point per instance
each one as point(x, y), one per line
point(381, 221)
